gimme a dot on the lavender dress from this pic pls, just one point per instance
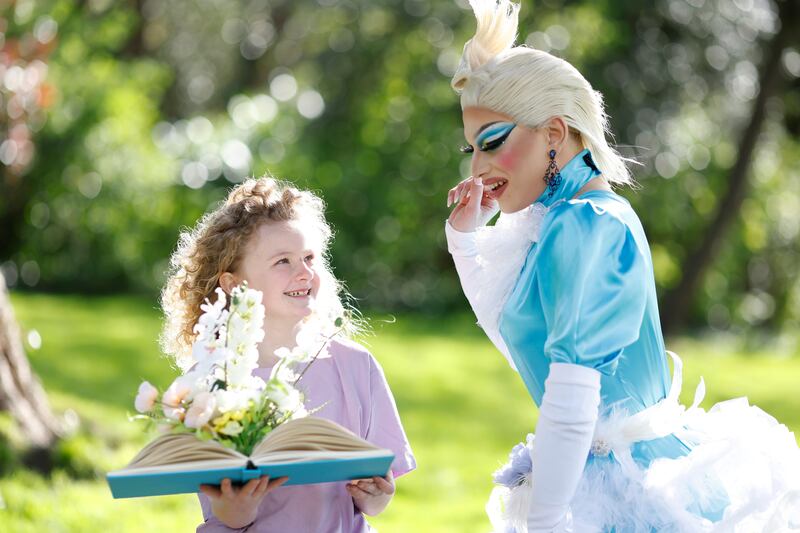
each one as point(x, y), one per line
point(351, 385)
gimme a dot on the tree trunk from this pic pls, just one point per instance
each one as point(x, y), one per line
point(678, 302)
point(20, 391)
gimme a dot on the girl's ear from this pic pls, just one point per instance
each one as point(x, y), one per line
point(228, 281)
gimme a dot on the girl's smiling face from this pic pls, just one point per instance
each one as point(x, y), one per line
point(510, 158)
point(280, 260)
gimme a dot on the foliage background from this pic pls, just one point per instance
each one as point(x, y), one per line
point(142, 113)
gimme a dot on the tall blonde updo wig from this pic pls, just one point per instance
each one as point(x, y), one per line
point(216, 245)
point(532, 86)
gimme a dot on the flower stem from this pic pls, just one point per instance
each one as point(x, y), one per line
point(325, 343)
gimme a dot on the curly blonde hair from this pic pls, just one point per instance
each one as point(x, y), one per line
point(216, 245)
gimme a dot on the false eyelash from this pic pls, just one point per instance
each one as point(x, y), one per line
point(467, 149)
point(493, 145)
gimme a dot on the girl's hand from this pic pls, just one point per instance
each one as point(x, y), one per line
point(371, 496)
point(237, 507)
point(473, 209)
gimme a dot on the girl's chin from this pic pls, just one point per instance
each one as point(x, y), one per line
point(293, 313)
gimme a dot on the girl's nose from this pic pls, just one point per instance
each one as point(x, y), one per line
point(305, 272)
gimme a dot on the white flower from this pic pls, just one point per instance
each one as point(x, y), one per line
point(239, 372)
point(283, 372)
point(245, 324)
point(283, 353)
point(253, 298)
point(300, 412)
point(233, 400)
point(174, 413)
point(256, 384)
point(207, 354)
point(198, 380)
point(177, 392)
point(298, 354)
point(285, 396)
point(213, 316)
point(146, 397)
point(200, 411)
point(309, 337)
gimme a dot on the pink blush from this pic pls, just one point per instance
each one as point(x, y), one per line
point(508, 159)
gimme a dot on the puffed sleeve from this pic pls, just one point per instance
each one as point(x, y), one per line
point(384, 428)
point(593, 286)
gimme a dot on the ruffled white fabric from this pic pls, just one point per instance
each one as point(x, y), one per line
point(489, 261)
point(742, 461)
point(502, 250)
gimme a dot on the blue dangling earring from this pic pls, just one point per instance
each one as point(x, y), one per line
point(552, 176)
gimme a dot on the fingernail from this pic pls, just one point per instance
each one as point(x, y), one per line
point(479, 181)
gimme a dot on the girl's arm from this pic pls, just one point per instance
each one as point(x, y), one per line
point(237, 507)
point(371, 496)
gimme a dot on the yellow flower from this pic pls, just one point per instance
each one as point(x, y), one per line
point(220, 421)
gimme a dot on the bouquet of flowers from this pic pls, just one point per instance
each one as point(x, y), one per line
point(219, 397)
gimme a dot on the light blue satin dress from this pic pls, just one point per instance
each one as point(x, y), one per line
point(586, 295)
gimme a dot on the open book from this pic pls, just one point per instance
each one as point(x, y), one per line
point(307, 450)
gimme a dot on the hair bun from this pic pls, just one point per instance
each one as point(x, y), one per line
point(496, 32)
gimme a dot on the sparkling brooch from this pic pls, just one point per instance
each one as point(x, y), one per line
point(600, 448)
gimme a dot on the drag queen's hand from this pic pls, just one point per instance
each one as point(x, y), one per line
point(473, 209)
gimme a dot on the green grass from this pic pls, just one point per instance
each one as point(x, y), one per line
point(461, 405)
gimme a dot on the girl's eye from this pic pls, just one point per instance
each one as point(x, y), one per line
point(309, 258)
point(466, 149)
point(282, 261)
point(494, 136)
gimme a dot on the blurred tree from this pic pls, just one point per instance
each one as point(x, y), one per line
point(25, 95)
point(681, 85)
point(21, 393)
point(771, 82)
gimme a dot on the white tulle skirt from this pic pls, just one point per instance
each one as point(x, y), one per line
point(742, 475)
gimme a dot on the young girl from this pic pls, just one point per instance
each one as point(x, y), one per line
point(563, 286)
point(276, 238)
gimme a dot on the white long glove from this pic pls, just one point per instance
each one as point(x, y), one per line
point(567, 418)
point(464, 250)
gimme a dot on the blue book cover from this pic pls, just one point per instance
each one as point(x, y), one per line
point(318, 467)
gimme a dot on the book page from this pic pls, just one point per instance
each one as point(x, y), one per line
point(310, 434)
point(314, 455)
point(193, 466)
point(176, 448)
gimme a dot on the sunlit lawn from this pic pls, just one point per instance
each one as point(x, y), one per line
point(462, 407)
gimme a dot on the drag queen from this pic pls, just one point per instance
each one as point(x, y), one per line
point(563, 286)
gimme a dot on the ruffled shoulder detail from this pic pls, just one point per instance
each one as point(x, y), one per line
point(502, 250)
